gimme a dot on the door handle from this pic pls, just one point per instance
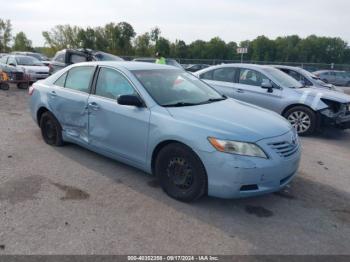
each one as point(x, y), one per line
point(53, 94)
point(240, 90)
point(94, 106)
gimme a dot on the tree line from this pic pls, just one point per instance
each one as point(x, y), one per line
point(121, 39)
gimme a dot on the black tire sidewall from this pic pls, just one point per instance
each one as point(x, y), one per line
point(198, 187)
point(4, 86)
point(310, 113)
point(22, 86)
point(57, 141)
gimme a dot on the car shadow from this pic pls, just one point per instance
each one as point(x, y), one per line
point(292, 213)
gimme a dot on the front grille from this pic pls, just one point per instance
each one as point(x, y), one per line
point(16, 75)
point(285, 149)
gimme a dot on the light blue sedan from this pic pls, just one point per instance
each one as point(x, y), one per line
point(165, 121)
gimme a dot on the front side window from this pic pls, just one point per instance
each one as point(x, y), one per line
point(79, 78)
point(173, 87)
point(252, 77)
point(112, 84)
point(226, 74)
point(12, 61)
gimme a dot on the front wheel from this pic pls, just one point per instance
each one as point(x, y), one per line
point(51, 129)
point(303, 119)
point(181, 173)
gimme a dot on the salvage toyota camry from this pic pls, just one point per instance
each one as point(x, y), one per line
point(168, 122)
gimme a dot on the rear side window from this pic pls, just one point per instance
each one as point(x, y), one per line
point(61, 81)
point(207, 75)
point(251, 77)
point(226, 74)
point(111, 84)
point(79, 78)
point(60, 58)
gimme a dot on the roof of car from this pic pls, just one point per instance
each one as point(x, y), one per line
point(129, 65)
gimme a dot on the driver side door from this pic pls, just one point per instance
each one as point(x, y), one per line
point(249, 90)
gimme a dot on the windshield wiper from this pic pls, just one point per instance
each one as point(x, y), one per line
point(211, 100)
point(180, 104)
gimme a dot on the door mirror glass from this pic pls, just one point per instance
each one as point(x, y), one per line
point(130, 100)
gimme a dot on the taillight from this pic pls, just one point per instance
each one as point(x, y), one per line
point(31, 90)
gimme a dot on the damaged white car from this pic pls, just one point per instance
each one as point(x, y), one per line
point(306, 108)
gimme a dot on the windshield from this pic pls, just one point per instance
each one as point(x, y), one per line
point(173, 87)
point(282, 79)
point(101, 56)
point(28, 61)
point(173, 63)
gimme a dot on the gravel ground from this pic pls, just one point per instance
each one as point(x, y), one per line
point(72, 201)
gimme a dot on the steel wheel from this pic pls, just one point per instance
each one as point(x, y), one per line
point(180, 172)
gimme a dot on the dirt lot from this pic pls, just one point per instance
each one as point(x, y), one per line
point(71, 201)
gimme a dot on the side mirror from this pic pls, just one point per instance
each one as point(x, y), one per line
point(267, 85)
point(12, 65)
point(130, 100)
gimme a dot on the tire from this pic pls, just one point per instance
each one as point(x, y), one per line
point(303, 119)
point(181, 173)
point(4, 86)
point(22, 85)
point(51, 129)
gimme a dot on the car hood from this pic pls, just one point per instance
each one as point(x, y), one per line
point(36, 68)
point(325, 93)
point(232, 119)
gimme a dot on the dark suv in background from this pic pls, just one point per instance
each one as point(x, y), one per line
point(67, 57)
point(338, 78)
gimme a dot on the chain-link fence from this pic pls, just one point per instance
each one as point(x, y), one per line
point(307, 66)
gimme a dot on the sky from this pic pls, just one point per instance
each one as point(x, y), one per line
point(188, 20)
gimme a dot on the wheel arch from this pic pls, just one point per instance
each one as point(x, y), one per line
point(40, 112)
point(295, 105)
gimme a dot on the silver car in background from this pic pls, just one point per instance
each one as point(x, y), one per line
point(31, 66)
point(306, 108)
point(306, 78)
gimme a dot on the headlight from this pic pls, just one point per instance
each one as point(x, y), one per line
point(238, 148)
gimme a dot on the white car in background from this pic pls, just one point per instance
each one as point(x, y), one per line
point(31, 66)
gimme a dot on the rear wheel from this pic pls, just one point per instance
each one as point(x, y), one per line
point(51, 129)
point(181, 172)
point(22, 85)
point(303, 119)
point(4, 86)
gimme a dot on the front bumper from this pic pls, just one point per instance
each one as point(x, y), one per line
point(233, 176)
point(35, 76)
point(340, 120)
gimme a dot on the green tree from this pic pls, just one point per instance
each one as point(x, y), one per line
point(163, 46)
point(126, 34)
point(5, 35)
point(62, 36)
point(142, 45)
point(22, 43)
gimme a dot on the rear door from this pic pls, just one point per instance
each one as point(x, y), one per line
point(222, 80)
point(249, 85)
point(68, 100)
